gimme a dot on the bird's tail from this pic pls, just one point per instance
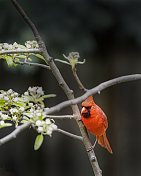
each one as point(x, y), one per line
point(103, 141)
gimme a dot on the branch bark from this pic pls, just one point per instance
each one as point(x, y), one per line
point(93, 91)
point(70, 134)
point(31, 64)
point(61, 116)
point(81, 86)
point(14, 134)
point(5, 52)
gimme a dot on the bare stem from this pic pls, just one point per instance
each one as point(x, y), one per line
point(93, 91)
point(78, 80)
point(31, 64)
point(32, 26)
point(70, 134)
point(14, 134)
point(61, 116)
point(5, 52)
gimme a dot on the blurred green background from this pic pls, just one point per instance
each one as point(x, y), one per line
point(108, 35)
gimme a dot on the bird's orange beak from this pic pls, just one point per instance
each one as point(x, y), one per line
point(84, 110)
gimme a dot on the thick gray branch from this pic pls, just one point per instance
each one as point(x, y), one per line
point(14, 134)
point(93, 91)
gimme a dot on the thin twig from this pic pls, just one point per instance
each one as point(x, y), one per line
point(70, 134)
point(31, 64)
point(27, 20)
point(5, 52)
point(61, 116)
point(32, 26)
point(78, 80)
point(93, 91)
point(14, 134)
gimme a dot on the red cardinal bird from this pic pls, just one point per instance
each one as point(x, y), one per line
point(96, 122)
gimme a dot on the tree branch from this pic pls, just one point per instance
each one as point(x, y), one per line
point(14, 134)
point(70, 134)
point(61, 116)
point(32, 26)
point(31, 64)
point(93, 91)
point(78, 80)
point(5, 52)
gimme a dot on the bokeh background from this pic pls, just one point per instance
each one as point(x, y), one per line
point(108, 35)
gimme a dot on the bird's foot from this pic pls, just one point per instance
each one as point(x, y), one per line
point(90, 148)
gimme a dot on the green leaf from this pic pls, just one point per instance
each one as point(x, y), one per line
point(6, 125)
point(21, 104)
point(22, 56)
point(9, 61)
point(39, 56)
point(62, 61)
point(49, 96)
point(38, 142)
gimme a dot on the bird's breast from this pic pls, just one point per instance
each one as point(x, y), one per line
point(97, 122)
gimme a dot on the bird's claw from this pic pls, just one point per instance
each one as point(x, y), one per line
point(90, 149)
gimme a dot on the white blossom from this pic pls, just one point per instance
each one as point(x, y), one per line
point(21, 109)
point(12, 95)
point(26, 93)
point(32, 89)
point(16, 94)
point(15, 99)
point(5, 45)
point(48, 122)
point(14, 117)
point(13, 111)
point(30, 104)
point(38, 123)
point(9, 91)
point(4, 116)
point(40, 91)
point(1, 95)
point(40, 129)
point(15, 44)
point(49, 131)
point(31, 110)
point(2, 123)
point(53, 126)
point(6, 98)
point(38, 114)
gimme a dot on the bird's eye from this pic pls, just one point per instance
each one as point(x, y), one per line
point(88, 108)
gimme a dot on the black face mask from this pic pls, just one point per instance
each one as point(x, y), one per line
point(87, 114)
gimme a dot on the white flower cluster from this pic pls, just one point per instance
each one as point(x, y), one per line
point(44, 126)
point(26, 108)
point(9, 98)
point(15, 46)
point(32, 44)
point(9, 95)
point(2, 118)
point(34, 90)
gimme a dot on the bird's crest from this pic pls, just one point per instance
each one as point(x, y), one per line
point(88, 102)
